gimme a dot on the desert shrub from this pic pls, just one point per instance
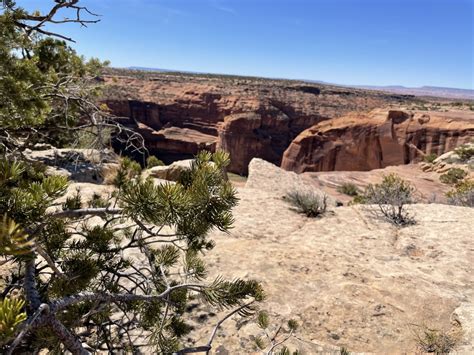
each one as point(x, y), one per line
point(73, 202)
point(430, 158)
point(348, 189)
point(153, 161)
point(430, 340)
point(453, 176)
point(98, 202)
point(358, 200)
point(462, 194)
point(309, 203)
point(465, 152)
point(391, 197)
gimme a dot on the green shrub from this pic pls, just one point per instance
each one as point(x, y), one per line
point(429, 158)
point(73, 202)
point(309, 203)
point(462, 194)
point(153, 161)
point(98, 202)
point(358, 200)
point(391, 197)
point(465, 152)
point(453, 176)
point(348, 189)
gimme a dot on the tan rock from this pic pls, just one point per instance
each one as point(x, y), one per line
point(265, 176)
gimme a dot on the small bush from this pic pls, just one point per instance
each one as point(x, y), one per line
point(128, 169)
point(453, 176)
point(98, 202)
point(465, 152)
point(73, 202)
point(308, 203)
point(430, 158)
point(153, 161)
point(462, 194)
point(348, 189)
point(358, 200)
point(435, 341)
point(391, 197)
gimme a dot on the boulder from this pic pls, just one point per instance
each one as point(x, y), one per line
point(170, 172)
point(265, 176)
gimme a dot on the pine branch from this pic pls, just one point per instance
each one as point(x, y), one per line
point(65, 302)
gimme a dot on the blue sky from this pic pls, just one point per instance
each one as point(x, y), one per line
point(371, 42)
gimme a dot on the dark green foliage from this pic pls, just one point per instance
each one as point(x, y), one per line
point(34, 72)
point(91, 258)
point(129, 169)
point(97, 201)
point(453, 176)
point(25, 192)
point(430, 158)
point(390, 198)
point(97, 275)
point(311, 204)
point(152, 161)
point(465, 152)
point(348, 189)
point(73, 202)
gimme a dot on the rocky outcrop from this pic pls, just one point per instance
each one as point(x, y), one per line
point(376, 140)
point(349, 279)
point(80, 165)
point(180, 114)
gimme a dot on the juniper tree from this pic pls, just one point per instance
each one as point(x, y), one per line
point(118, 273)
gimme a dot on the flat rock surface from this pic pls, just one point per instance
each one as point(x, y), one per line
point(349, 278)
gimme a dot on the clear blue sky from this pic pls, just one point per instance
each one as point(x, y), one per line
point(373, 42)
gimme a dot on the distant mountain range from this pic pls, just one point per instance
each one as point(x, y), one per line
point(450, 93)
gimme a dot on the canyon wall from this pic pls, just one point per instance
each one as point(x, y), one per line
point(179, 115)
point(359, 142)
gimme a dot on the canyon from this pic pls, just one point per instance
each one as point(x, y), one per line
point(281, 121)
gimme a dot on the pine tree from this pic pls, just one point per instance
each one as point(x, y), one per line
point(72, 283)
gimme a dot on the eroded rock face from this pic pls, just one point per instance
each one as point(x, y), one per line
point(361, 142)
point(248, 117)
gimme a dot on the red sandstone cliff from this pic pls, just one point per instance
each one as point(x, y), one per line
point(248, 117)
point(376, 140)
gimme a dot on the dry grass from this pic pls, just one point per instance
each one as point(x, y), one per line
point(431, 339)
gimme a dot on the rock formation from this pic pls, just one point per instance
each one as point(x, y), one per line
point(379, 139)
point(180, 114)
point(348, 278)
